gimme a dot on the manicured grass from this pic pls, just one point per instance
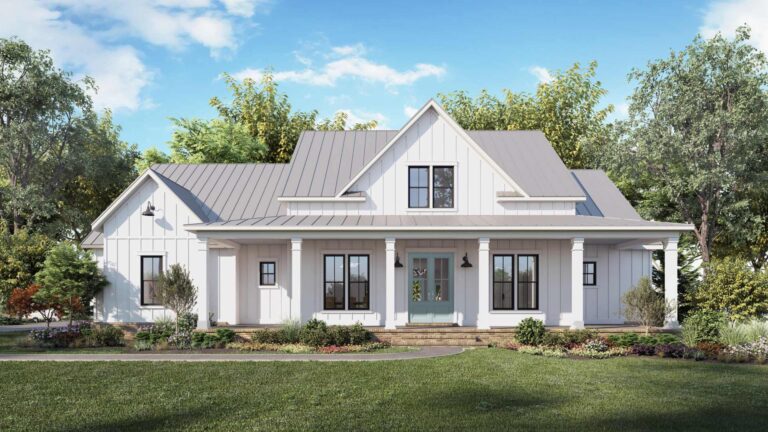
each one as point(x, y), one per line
point(486, 389)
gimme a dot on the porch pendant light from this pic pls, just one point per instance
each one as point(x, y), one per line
point(398, 264)
point(466, 263)
point(150, 211)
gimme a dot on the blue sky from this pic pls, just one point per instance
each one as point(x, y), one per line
point(375, 60)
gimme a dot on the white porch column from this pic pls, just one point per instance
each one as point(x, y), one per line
point(202, 285)
point(296, 279)
point(670, 281)
point(577, 283)
point(483, 284)
point(389, 278)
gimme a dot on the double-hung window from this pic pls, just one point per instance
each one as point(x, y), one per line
point(590, 273)
point(151, 268)
point(346, 283)
point(515, 279)
point(431, 187)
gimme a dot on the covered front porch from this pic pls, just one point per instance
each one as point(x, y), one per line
point(392, 280)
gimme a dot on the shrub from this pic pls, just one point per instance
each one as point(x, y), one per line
point(710, 349)
point(291, 331)
point(624, 339)
point(358, 335)
point(62, 337)
point(206, 340)
point(142, 345)
point(671, 350)
point(315, 337)
point(578, 337)
point(267, 336)
point(530, 332)
point(105, 336)
point(554, 339)
point(6, 320)
point(643, 349)
point(702, 326)
point(643, 304)
point(339, 335)
point(597, 345)
point(176, 292)
point(743, 332)
point(225, 335)
point(730, 285)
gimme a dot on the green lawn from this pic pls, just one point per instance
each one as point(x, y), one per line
point(491, 389)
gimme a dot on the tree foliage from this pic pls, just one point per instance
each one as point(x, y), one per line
point(60, 164)
point(176, 291)
point(70, 278)
point(21, 256)
point(694, 146)
point(566, 109)
point(731, 286)
point(257, 125)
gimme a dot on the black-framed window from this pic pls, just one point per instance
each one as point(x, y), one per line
point(442, 187)
point(528, 282)
point(503, 286)
point(267, 273)
point(359, 282)
point(590, 273)
point(333, 286)
point(418, 187)
point(151, 269)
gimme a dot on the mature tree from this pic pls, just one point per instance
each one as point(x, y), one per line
point(695, 141)
point(69, 277)
point(60, 164)
point(151, 156)
point(566, 109)
point(21, 256)
point(258, 125)
point(176, 291)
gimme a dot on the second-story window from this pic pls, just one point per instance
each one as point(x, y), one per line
point(431, 187)
point(418, 187)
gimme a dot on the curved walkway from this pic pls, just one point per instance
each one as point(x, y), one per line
point(425, 352)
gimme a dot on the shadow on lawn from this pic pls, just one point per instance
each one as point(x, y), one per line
point(179, 420)
point(699, 419)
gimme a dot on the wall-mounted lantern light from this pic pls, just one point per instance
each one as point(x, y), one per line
point(466, 263)
point(398, 264)
point(150, 211)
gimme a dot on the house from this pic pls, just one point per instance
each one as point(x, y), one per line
point(427, 224)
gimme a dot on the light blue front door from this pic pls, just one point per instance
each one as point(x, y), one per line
point(430, 287)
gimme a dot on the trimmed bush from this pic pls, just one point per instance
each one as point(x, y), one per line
point(105, 336)
point(359, 335)
point(531, 332)
point(732, 286)
point(702, 326)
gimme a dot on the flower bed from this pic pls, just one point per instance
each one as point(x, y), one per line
point(78, 335)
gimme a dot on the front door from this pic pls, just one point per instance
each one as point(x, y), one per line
point(430, 287)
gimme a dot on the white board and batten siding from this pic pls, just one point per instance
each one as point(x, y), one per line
point(129, 235)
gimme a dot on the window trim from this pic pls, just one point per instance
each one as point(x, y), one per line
point(343, 281)
point(428, 187)
point(142, 280)
point(512, 282)
point(349, 281)
point(585, 273)
point(517, 281)
point(262, 273)
point(433, 188)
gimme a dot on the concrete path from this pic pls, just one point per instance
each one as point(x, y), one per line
point(29, 327)
point(425, 352)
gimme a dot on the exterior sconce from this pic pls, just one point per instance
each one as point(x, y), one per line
point(398, 264)
point(466, 263)
point(150, 211)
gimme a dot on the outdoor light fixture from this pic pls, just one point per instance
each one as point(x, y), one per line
point(150, 211)
point(466, 263)
point(398, 264)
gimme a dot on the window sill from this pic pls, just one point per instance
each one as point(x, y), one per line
point(269, 286)
point(151, 307)
point(348, 311)
point(431, 209)
point(518, 312)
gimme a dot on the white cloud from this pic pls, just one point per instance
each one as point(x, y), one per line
point(243, 8)
point(410, 111)
point(92, 37)
point(541, 73)
point(726, 16)
point(351, 64)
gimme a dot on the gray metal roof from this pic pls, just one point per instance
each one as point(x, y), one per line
point(94, 240)
point(324, 162)
point(603, 197)
point(529, 159)
point(217, 192)
point(435, 221)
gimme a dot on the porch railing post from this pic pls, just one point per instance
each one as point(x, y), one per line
point(202, 285)
point(389, 277)
point(670, 281)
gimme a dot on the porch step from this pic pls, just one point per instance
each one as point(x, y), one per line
point(446, 336)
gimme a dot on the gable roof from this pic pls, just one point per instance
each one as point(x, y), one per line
point(603, 197)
